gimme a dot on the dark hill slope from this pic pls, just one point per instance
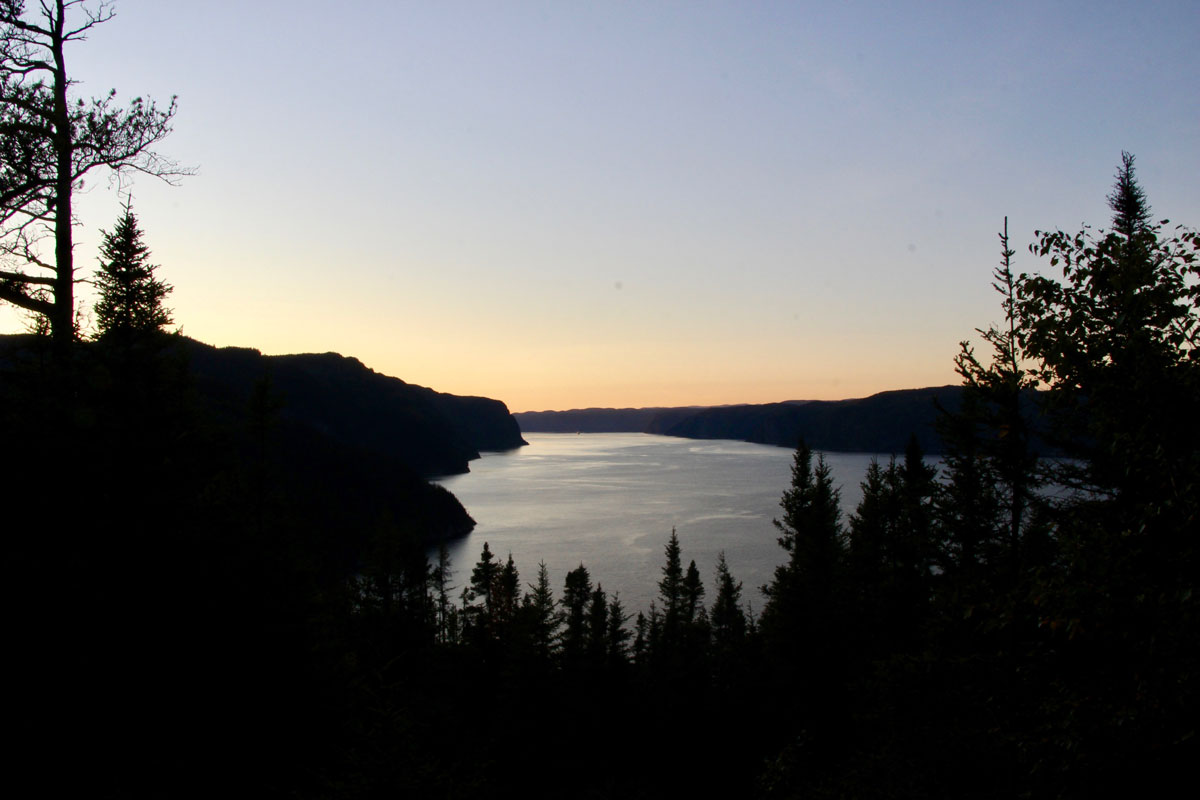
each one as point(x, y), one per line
point(881, 423)
point(427, 431)
point(334, 449)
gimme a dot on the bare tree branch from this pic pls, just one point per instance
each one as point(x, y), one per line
point(51, 141)
point(18, 277)
point(14, 294)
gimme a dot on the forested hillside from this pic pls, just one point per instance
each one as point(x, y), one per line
point(881, 423)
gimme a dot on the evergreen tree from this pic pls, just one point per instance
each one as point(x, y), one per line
point(507, 593)
point(577, 594)
point(144, 398)
point(727, 616)
point(131, 298)
point(885, 577)
point(539, 607)
point(693, 594)
point(641, 640)
point(994, 429)
point(694, 627)
point(967, 505)
point(670, 587)
point(617, 637)
point(440, 580)
point(802, 623)
point(1115, 343)
point(728, 625)
point(484, 578)
point(811, 533)
point(50, 142)
point(671, 594)
point(914, 545)
point(871, 526)
point(597, 627)
point(654, 635)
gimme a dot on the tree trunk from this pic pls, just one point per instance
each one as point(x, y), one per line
point(62, 323)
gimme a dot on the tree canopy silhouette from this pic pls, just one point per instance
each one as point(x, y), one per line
point(1115, 341)
point(131, 296)
point(49, 141)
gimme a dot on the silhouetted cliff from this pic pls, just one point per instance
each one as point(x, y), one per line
point(322, 442)
point(427, 431)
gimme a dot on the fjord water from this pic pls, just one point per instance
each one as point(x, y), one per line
point(610, 500)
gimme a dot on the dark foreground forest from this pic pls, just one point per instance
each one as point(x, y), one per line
point(221, 588)
point(207, 601)
point(219, 584)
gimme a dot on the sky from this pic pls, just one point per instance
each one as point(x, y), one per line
point(568, 204)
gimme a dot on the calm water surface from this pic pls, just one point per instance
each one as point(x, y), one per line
point(610, 500)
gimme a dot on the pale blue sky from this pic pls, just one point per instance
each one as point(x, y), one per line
point(613, 203)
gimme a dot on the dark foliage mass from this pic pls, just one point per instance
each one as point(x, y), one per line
point(220, 578)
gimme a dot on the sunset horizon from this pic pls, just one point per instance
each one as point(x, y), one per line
point(571, 206)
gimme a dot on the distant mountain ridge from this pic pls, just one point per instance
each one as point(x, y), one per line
point(881, 423)
point(602, 420)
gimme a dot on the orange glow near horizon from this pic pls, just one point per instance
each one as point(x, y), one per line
point(633, 206)
point(553, 381)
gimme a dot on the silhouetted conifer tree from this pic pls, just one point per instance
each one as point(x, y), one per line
point(671, 589)
point(439, 578)
point(654, 635)
point(130, 304)
point(994, 427)
point(871, 527)
point(802, 623)
point(727, 626)
point(727, 617)
point(483, 576)
point(479, 621)
point(544, 620)
point(597, 627)
point(617, 636)
point(967, 506)
point(915, 542)
point(641, 640)
point(507, 593)
point(577, 594)
point(811, 533)
point(693, 593)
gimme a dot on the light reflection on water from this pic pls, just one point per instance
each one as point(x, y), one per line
point(609, 500)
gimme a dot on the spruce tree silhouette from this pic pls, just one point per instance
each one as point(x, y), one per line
point(131, 296)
